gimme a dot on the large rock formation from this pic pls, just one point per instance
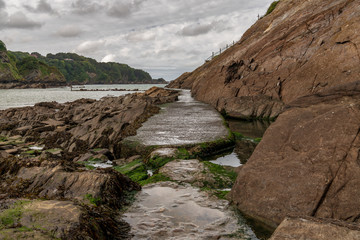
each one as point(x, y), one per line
point(302, 47)
point(307, 163)
point(315, 229)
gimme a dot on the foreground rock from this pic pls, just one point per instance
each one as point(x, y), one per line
point(77, 126)
point(307, 163)
point(282, 60)
point(49, 219)
point(315, 229)
point(51, 179)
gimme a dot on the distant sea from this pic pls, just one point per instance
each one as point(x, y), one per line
point(10, 98)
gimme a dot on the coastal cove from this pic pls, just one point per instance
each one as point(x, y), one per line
point(260, 142)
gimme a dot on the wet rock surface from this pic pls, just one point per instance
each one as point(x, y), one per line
point(183, 122)
point(170, 211)
point(307, 163)
point(189, 171)
point(282, 60)
point(315, 229)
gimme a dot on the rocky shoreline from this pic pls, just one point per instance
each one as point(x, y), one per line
point(47, 191)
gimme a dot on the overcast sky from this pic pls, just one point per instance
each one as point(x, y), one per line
point(163, 37)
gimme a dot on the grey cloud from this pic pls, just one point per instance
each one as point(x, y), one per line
point(199, 29)
point(42, 7)
point(20, 20)
point(124, 9)
point(90, 46)
point(84, 7)
point(69, 31)
point(196, 29)
point(2, 4)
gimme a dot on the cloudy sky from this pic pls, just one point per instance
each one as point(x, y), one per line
point(163, 37)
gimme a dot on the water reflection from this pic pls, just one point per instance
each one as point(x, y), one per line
point(243, 148)
point(251, 129)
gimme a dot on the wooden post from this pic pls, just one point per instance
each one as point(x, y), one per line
point(212, 55)
point(71, 88)
point(220, 50)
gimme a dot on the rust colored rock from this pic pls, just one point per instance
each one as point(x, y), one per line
point(184, 82)
point(250, 107)
point(302, 47)
point(315, 229)
point(307, 163)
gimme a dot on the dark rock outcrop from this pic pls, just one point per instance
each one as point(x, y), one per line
point(85, 123)
point(301, 48)
point(315, 229)
point(307, 163)
point(53, 179)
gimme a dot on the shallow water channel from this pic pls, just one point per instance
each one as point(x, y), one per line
point(242, 151)
point(169, 210)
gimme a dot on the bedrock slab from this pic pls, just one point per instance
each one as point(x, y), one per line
point(186, 121)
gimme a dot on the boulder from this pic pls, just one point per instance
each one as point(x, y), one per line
point(188, 171)
point(49, 219)
point(307, 163)
point(62, 180)
point(315, 229)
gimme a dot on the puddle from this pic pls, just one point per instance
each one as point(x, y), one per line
point(170, 211)
point(231, 160)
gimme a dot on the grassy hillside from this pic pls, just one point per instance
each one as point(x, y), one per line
point(82, 70)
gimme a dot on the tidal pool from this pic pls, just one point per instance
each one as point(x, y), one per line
point(171, 211)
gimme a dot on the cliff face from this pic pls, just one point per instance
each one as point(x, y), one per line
point(302, 47)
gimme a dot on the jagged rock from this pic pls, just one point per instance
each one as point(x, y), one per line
point(302, 47)
point(315, 229)
point(85, 124)
point(49, 219)
point(54, 180)
point(307, 163)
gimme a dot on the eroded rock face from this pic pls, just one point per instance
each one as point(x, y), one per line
point(85, 123)
point(307, 163)
point(303, 47)
point(250, 107)
point(53, 179)
point(315, 229)
point(49, 219)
